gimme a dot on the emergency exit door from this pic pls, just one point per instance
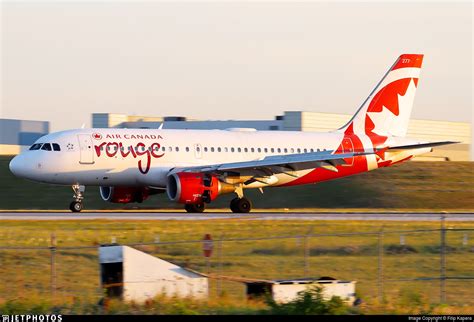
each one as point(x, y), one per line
point(86, 149)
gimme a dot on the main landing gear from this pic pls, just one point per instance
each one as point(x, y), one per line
point(198, 207)
point(76, 204)
point(240, 205)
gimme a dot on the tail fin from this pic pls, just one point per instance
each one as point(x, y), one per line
point(387, 110)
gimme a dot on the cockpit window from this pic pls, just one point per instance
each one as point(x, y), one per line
point(36, 146)
point(46, 147)
point(56, 147)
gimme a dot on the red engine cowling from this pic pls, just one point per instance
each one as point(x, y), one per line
point(192, 188)
point(124, 194)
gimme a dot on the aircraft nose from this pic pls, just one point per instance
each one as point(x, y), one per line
point(15, 165)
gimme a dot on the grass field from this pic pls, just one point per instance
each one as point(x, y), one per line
point(25, 273)
point(411, 185)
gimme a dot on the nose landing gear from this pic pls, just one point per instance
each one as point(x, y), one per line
point(76, 204)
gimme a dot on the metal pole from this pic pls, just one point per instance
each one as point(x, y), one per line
point(53, 264)
point(306, 252)
point(380, 265)
point(443, 260)
point(219, 261)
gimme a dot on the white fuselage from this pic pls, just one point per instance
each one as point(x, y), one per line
point(104, 157)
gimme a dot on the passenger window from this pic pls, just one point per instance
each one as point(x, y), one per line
point(198, 149)
point(239, 150)
point(205, 149)
point(36, 146)
point(273, 150)
point(170, 149)
point(163, 149)
point(305, 150)
point(259, 150)
point(265, 150)
point(46, 147)
point(232, 149)
point(212, 149)
point(312, 150)
point(286, 150)
point(299, 150)
point(226, 149)
point(218, 149)
point(279, 150)
point(176, 149)
point(292, 150)
point(252, 150)
point(246, 150)
point(187, 149)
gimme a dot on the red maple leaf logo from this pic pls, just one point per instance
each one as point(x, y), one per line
point(97, 136)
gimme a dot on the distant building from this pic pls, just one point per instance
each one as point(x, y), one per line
point(17, 135)
point(307, 121)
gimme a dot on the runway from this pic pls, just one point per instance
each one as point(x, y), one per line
point(250, 216)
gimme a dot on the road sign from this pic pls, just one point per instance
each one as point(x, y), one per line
point(207, 245)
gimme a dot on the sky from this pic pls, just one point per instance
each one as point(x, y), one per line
point(63, 60)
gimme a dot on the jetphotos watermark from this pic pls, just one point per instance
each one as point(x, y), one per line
point(32, 318)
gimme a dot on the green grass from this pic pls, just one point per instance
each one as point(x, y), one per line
point(25, 274)
point(410, 185)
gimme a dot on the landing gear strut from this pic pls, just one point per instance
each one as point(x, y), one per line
point(240, 205)
point(76, 204)
point(198, 207)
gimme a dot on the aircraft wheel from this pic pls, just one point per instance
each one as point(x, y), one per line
point(195, 208)
point(232, 204)
point(242, 205)
point(75, 206)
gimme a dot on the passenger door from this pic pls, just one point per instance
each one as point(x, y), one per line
point(86, 149)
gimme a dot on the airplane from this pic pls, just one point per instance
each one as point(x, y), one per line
point(194, 167)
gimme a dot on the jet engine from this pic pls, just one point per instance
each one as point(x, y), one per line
point(195, 188)
point(125, 194)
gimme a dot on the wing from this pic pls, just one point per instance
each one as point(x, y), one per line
point(277, 164)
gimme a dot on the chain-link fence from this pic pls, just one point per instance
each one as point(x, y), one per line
point(430, 265)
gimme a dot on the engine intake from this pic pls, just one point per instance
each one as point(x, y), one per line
point(193, 188)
